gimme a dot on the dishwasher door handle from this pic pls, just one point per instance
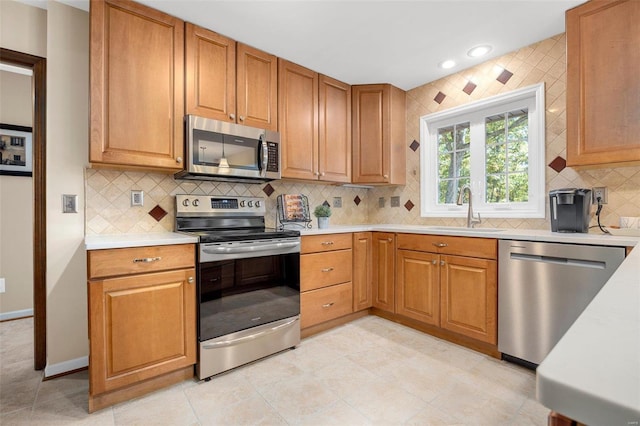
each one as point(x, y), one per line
point(565, 261)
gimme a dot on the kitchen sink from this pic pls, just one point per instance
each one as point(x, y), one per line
point(463, 229)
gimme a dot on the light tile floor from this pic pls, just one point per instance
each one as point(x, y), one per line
point(368, 372)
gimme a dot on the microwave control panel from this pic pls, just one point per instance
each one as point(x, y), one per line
point(273, 156)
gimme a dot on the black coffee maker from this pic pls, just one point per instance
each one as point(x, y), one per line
point(570, 209)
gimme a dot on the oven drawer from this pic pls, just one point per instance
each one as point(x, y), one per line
point(138, 260)
point(328, 242)
point(319, 270)
point(317, 306)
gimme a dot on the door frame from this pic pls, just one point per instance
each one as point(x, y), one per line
point(39, 67)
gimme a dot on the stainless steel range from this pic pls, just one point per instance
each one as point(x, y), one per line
point(248, 279)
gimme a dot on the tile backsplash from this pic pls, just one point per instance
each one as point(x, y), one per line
point(108, 192)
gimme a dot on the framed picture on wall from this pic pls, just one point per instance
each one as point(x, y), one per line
point(16, 150)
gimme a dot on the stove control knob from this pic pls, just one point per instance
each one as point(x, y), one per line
point(196, 203)
point(186, 202)
point(257, 204)
point(242, 203)
point(250, 203)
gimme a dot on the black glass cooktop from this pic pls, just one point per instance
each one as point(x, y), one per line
point(221, 235)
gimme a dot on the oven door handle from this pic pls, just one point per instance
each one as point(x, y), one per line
point(250, 249)
point(253, 336)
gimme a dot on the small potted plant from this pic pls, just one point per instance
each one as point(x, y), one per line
point(322, 212)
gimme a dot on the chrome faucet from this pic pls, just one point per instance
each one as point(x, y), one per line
point(470, 219)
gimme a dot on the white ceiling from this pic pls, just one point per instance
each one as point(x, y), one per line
point(358, 41)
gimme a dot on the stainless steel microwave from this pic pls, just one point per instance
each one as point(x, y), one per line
point(217, 150)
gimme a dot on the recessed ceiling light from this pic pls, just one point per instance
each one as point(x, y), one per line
point(447, 64)
point(479, 51)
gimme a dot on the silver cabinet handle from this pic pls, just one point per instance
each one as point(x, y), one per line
point(390, 239)
point(442, 263)
point(179, 160)
point(232, 116)
point(241, 118)
point(146, 259)
point(249, 337)
point(440, 244)
point(329, 269)
point(435, 262)
point(327, 305)
point(327, 243)
point(190, 280)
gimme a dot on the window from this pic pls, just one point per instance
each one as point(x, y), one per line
point(496, 147)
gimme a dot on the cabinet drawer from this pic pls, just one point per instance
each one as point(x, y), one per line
point(486, 248)
point(328, 242)
point(137, 260)
point(324, 269)
point(324, 304)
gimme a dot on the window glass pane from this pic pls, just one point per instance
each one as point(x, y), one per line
point(445, 139)
point(518, 156)
point(519, 187)
point(463, 136)
point(496, 189)
point(447, 191)
point(495, 158)
point(446, 167)
point(518, 125)
point(464, 164)
point(495, 129)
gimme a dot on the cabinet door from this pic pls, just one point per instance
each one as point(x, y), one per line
point(418, 286)
point(298, 120)
point(379, 123)
point(362, 253)
point(210, 74)
point(257, 88)
point(384, 271)
point(140, 326)
point(136, 86)
point(603, 89)
point(334, 153)
point(469, 297)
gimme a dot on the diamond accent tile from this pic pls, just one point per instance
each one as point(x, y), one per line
point(409, 205)
point(357, 200)
point(558, 164)
point(504, 76)
point(414, 145)
point(268, 189)
point(158, 213)
point(326, 203)
point(469, 88)
point(440, 97)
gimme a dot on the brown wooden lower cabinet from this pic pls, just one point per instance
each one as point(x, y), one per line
point(362, 270)
point(383, 273)
point(324, 304)
point(142, 326)
point(418, 286)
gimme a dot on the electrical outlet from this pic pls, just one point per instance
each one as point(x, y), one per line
point(337, 202)
point(137, 198)
point(395, 201)
point(601, 192)
point(2, 289)
point(381, 202)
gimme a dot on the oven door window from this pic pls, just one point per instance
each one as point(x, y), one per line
point(239, 294)
point(210, 148)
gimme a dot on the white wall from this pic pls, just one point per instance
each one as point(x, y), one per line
point(67, 157)
point(16, 206)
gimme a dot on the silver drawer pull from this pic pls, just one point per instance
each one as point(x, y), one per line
point(146, 259)
point(327, 243)
point(327, 305)
point(440, 244)
point(327, 269)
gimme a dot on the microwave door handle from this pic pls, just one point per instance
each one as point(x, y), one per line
point(264, 154)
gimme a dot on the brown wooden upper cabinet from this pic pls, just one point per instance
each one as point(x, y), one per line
point(603, 88)
point(379, 123)
point(314, 124)
point(136, 86)
point(230, 81)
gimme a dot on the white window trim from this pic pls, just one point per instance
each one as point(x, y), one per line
point(535, 208)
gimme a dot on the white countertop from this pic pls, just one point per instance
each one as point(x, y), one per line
point(593, 374)
point(99, 242)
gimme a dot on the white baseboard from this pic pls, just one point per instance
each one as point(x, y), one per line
point(5, 316)
point(66, 366)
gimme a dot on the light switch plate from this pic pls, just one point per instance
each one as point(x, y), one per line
point(337, 202)
point(137, 198)
point(69, 203)
point(381, 202)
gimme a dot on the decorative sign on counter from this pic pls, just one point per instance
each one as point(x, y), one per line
point(293, 209)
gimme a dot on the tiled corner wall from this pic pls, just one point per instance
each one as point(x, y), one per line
point(544, 61)
point(108, 192)
point(109, 211)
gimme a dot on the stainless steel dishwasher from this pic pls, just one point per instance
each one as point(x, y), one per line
point(542, 289)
